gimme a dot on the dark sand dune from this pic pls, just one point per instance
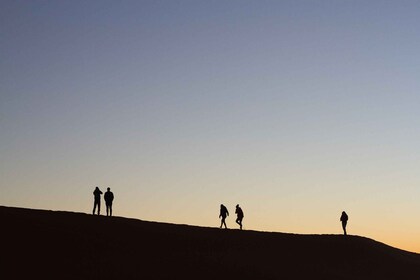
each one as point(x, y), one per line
point(39, 244)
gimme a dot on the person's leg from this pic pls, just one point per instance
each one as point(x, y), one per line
point(240, 223)
point(99, 207)
point(110, 210)
point(94, 208)
point(223, 222)
point(344, 227)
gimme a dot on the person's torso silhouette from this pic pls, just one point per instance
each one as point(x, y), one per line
point(223, 211)
point(109, 197)
point(239, 212)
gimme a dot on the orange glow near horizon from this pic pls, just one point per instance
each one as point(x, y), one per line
point(296, 110)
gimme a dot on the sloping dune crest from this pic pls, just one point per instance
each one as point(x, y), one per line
point(40, 244)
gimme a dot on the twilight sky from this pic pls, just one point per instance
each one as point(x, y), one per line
point(296, 110)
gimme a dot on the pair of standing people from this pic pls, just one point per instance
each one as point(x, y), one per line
point(109, 198)
point(225, 213)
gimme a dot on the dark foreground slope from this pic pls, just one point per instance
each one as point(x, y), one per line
point(38, 244)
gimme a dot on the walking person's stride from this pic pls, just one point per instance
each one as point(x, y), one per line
point(223, 214)
point(240, 215)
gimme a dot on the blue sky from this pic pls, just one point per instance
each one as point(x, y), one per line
point(295, 109)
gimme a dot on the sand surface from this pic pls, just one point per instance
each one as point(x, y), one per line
point(41, 244)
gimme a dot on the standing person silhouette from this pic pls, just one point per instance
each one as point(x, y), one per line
point(240, 215)
point(223, 214)
point(109, 197)
point(97, 202)
point(344, 218)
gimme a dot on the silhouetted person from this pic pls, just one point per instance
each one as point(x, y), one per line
point(240, 215)
point(97, 202)
point(109, 197)
point(223, 214)
point(344, 218)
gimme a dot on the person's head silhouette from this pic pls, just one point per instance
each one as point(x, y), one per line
point(108, 189)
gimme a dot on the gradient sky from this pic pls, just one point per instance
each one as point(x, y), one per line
point(297, 110)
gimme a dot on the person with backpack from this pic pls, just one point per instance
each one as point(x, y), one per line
point(344, 218)
point(109, 197)
point(240, 215)
point(223, 214)
point(97, 200)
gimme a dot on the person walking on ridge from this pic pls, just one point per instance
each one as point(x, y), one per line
point(223, 214)
point(240, 215)
point(344, 218)
point(97, 202)
point(109, 197)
